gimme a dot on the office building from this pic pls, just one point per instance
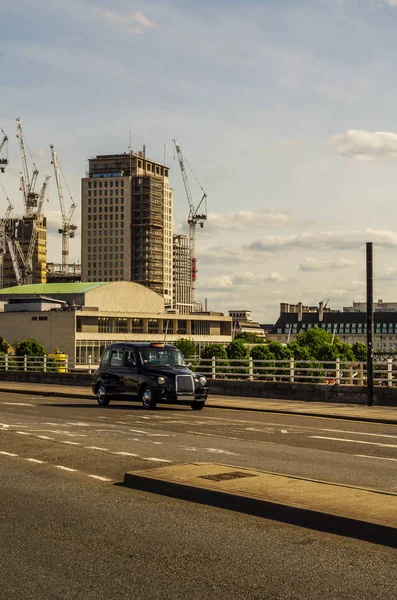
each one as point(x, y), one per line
point(126, 227)
point(182, 270)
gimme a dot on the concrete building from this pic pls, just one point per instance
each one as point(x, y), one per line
point(56, 273)
point(243, 322)
point(21, 230)
point(182, 273)
point(379, 306)
point(126, 228)
point(81, 319)
point(349, 327)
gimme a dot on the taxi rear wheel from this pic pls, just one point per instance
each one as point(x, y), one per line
point(146, 397)
point(199, 405)
point(102, 396)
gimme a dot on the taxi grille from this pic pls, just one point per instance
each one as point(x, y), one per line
point(184, 384)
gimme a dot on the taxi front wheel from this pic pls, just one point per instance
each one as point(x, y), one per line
point(198, 405)
point(102, 396)
point(146, 397)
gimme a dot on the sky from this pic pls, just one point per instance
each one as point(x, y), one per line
point(285, 109)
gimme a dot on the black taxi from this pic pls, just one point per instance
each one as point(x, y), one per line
point(150, 373)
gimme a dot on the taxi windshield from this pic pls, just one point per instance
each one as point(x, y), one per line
point(163, 357)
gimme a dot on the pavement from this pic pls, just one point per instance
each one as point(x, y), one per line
point(353, 412)
point(365, 514)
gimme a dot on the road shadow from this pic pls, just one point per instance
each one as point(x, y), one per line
point(121, 406)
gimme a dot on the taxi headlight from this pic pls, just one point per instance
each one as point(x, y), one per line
point(161, 380)
point(202, 380)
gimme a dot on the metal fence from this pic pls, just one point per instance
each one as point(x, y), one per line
point(293, 371)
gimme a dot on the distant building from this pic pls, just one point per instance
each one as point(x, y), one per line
point(243, 323)
point(81, 319)
point(379, 306)
point(126, 229)
point(21, 230)
point(182, 273)
point(349, 327)
point(56, 273)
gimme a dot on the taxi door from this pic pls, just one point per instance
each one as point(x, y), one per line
point(130, 373)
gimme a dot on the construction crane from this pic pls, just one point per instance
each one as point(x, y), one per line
point(68, 227)
point(28, 260)
point(11, 248)
point(3, 241)
point(3, 152)
point(28, 183)
point(194, 217)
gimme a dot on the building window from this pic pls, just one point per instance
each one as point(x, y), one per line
point(153, 326)
point(137, 326)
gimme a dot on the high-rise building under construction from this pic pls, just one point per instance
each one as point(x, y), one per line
point(22, 231)
point(126, 225)
point(182, 284)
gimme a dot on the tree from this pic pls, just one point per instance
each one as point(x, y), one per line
point(29, 348)
point(186, 346)
point(249, 338)
point(219, 352)
point(314, 339)
point(263, 360)
point(3, 346)
point(360, 351)
point(236, 350)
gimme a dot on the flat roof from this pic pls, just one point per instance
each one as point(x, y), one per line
point(47, 289)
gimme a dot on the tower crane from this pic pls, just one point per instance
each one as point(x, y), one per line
point(28, 183)
point(68, 227)
point(194, 216)
point(3, 240)
point(28, 259)
point(3, 152)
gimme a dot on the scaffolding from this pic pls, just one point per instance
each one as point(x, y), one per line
point(147, 252)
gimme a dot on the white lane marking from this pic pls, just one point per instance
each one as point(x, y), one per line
point(137, 431)
point(44, 437)
point(17, 403)
point(99, 478)
point(64, 468)
point(284, 431)
point(69, 443)
point(219, 451)
point(144, 417)
point(35, 460)
point(158, 434)
point(376, 457)
point(78, 424)
point(361, 433)
point(96, 448)
point(321, 437)
point(53, 424)
point(23, 433)
point(125, 454)
point(163, 460)
point(4, 425)
point(8, 453)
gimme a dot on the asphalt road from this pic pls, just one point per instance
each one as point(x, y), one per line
point(68, 529)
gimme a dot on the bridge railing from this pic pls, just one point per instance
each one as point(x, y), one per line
point(291, 370)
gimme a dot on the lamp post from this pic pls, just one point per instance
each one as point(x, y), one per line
point(370, 326)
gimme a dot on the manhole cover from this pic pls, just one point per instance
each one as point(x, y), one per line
point(226, 476)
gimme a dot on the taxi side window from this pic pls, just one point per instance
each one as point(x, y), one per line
point(130, 358)
point(105, 358)
point(116, 358)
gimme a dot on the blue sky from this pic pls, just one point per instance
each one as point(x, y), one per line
point(286, 111)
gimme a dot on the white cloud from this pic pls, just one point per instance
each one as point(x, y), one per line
point(366, 145)
point(136, 22)
point(324, 240)
point(244, 220)
point(388, 274)
point(274, 277)
point(313, 264)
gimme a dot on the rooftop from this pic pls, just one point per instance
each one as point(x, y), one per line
point(46, 289)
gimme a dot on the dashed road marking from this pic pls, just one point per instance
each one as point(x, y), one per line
point(321, 437)
point(35, 460)
point(8, 453)
point(23, 433)
point(64, 468)
point(125, 454)
point(96, 448)
point(99, 478)
point(17, 403)
point(163, 460)
point(376, 457)
point(361, 433)
point(69, 443)
point(44, 437)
